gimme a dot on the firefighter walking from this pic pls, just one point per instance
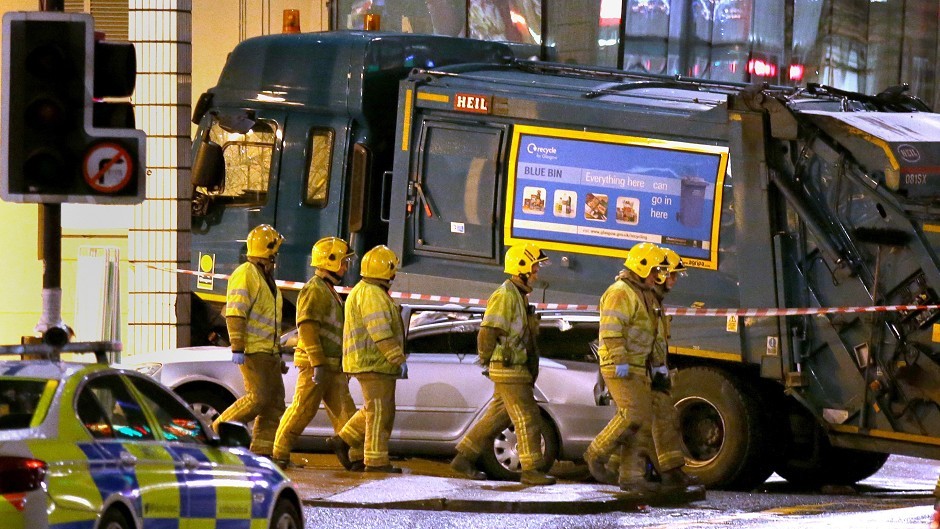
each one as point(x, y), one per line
point(667, 436)
point(253, 313)
point(629, 324)
point(319, 352)
point(506, 346)
point(373, 352)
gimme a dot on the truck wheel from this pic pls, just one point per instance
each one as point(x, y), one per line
point(722, 429)
point(812, 461)
point(205, 403)
point(501, 460)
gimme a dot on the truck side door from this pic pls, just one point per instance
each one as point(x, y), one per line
point(311, 193)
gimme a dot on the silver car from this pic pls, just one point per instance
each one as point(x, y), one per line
point(445, 390)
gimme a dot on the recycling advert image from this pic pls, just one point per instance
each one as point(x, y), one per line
point(602, 193)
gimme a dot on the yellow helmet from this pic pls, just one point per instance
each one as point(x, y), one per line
point(520, 258)
point(674, 261)
point(643, 257)
point(264, 241)
point(379, 263)
point(329, 252)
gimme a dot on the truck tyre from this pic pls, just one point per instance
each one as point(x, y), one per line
point(722, 429)
point(206, 403)
point(812, 461)
point(500, 460)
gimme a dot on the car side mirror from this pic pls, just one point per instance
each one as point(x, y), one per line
point(234, 435)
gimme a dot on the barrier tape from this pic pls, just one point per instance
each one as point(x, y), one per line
point(670, 311)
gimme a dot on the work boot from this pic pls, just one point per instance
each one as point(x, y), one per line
point(677, 479)
point(462, 465)
point(357, 466)
point(341, 449)
point(387, 469)
point(536, 477)
point(598, 468)
point(640, 490)
point(283, 464)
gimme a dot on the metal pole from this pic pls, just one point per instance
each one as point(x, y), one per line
point(50, 217)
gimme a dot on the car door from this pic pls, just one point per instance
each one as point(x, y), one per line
point(445, 389)
point(218, 485)
point(126, 458)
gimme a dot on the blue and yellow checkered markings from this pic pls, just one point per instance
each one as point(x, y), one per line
point(265, 479)
point(161, 485)
point(220, 490)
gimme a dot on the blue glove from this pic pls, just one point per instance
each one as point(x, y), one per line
point(404, 371)
point(622, 370)
point(238, 357)
point(662, 370)
point(319, 374)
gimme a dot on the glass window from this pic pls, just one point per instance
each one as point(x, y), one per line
point(123, 413)
point(318, 172)
point(506, 20)
point(93, 417)
point(585, 35)
point(247, 162)
point(175, 420)
point(19, 399)
point(571, 344)
point(438, 17)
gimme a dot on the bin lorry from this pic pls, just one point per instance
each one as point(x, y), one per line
point(450, 150)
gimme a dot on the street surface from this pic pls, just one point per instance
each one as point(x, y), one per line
point(899, 496)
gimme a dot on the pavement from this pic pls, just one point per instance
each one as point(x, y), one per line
point(431, 485)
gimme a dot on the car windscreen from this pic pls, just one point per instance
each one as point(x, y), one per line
point(20, 399)
point(573, 344)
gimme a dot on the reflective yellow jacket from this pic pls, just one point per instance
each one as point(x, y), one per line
point(506, 311)
point(628, 311)
point(248, 296)
point(318, 302)
point(371, 316)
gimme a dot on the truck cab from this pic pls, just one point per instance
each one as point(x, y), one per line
point(298, 134)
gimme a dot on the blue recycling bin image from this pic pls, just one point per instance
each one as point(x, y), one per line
point(692, 201)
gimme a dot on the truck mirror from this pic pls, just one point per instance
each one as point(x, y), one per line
point(202, 106)
point(208, 165)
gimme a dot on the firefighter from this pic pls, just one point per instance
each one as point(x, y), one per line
point(253, 317)
point(319, 352)
point(506, 346)
point(629, 323)
point(373, 352)
point(667, 437)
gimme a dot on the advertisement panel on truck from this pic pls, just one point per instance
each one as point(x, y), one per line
point(597, 193)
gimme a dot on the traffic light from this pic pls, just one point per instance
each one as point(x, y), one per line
point(60, 141)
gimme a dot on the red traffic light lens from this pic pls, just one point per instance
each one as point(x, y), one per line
point(46, 112)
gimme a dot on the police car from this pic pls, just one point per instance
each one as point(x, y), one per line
point(85, 445)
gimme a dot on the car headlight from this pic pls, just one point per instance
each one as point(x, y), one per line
point(149, 368)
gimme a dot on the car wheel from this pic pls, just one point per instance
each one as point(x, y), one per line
point(114, 519)
point(207, 404)
point(285, 516)
point(501, 460)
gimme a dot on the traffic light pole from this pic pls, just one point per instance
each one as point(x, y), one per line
point(50, 247)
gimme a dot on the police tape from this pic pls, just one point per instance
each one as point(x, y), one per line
point(669, 311)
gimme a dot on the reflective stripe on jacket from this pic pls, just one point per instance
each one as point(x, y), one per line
point(624, 313)
point(371, 316)
point(249, 297)
point(318, 302)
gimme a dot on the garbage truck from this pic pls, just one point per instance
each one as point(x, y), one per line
point(820, 201)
